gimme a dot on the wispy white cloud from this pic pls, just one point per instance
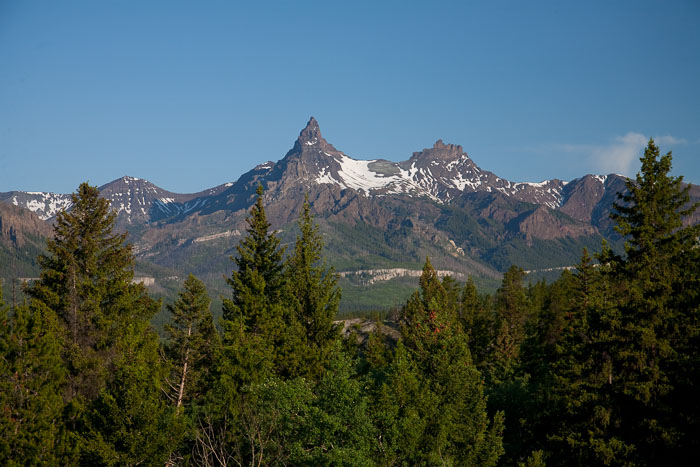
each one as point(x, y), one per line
point(620, 155)
point(670, 140)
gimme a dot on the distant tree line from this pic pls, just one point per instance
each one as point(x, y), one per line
point(601, 367)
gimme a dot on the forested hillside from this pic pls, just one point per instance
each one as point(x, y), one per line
point(600, 367)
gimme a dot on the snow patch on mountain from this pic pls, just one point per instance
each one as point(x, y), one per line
point(535, 184)
point(436, 179)
point(357, 174)
point(45, 205)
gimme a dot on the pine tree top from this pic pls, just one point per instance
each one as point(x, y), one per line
point(650, 214)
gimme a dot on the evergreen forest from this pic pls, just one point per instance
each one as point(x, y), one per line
point(600, 367)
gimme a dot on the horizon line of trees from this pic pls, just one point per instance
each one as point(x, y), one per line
point(600, 367)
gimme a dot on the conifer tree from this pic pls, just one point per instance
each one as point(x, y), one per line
point(628, 362)
point(432, 409)
point(109, 347)
point(314, 294)
point(506, 382)
point(254, 316)
point(454, 291)
point(429, 314)
point(651, 365)
point(86, 278)
point(192, 343)
point(650, 217)
point(254, 345)
point(32, 377)
point(131, 423)
point(377, 352)
point(533, 411)
point(475, 315)
point(582, 416)
point(511, 315)
point(469, 304)
point(259, 267)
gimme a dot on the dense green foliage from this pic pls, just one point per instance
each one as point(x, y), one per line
point(31, 378)
point(600, 367)
point(430, 401)
point(608, 369)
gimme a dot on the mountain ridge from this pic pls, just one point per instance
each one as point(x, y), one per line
point(440, 172)
point(374, 214)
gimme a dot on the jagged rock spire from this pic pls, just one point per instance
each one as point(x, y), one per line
point(311, 132)
point(440, 151)
point(310, 138)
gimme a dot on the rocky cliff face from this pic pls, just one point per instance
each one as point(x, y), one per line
point(18, 225)
point(22, 238)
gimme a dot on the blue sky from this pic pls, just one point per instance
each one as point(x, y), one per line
point(192, 94)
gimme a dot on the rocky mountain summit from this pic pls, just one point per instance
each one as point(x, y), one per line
point(439, 173)
point(375, 215)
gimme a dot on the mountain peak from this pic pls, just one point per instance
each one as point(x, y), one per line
point(452, 148)
point(440, 151)
point(122, 182)
point(311, 134)
point(312, 123)
point(310, 138)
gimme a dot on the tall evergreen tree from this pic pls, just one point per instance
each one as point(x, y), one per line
point(254, 318)
point(628, 366)
point(428, 313)
point(650, 217)
point(259, 267)
point(583, 415)
point(533, 409)
point(506, 383)
point(661, 254)
point(32, 376)
point(431, 409)
point(469, 305)
point(255, 343)
point(511, 315)
point(314, 294)
point(192, 343)
point(86, 279)
point(476, 317)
